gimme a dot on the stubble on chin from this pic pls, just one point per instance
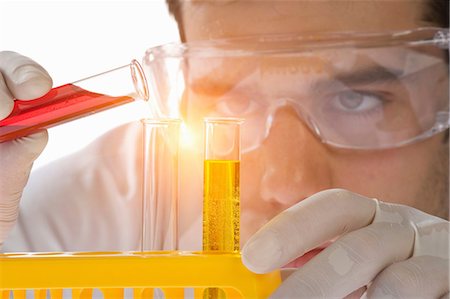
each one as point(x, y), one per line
point(434, 195)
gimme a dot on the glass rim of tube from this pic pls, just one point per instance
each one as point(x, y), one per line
point(225, 120)
point(140, 83)
point(162, 121)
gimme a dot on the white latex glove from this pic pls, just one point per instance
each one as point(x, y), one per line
point(21, 78)
point(392, 250)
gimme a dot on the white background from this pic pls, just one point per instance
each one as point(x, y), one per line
point(76, 39)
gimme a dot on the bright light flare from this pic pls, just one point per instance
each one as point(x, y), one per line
point(188, 137)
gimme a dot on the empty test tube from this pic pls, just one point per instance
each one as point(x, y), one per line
point(160, 185)
point(221, 194)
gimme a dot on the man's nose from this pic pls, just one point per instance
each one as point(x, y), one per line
point(296, 162)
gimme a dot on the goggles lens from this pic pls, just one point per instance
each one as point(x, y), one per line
point(364, 92)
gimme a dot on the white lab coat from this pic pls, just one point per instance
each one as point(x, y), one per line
point(91, 200)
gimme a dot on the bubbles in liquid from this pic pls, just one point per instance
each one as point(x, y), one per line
point(221, 206)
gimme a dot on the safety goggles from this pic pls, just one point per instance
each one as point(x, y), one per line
point(353, 90)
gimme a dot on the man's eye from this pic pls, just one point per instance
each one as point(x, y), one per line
point(236, 106)
point(351, 101)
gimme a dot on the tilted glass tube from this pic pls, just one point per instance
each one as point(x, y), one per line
point(75, 100)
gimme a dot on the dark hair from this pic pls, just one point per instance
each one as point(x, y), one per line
point(437, 12)
point(174, 10)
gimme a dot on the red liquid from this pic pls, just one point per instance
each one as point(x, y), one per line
point(59, 105)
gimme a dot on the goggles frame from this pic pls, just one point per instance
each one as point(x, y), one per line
point(287, 44)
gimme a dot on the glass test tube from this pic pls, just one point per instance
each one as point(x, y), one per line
point(75, 100)
point(221, 197)
point(160, 186)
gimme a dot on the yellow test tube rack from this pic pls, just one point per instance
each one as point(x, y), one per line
point(219, 266)
point(47, 274)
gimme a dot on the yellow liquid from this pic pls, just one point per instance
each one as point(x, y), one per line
point(221, 211)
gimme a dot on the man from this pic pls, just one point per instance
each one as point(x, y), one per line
point(379, 248)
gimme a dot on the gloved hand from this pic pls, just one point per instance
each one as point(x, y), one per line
point(21, 78)
point(386, 250)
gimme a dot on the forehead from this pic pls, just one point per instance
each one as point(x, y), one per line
point(222, 18)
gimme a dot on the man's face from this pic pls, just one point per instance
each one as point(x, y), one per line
point(292, 163)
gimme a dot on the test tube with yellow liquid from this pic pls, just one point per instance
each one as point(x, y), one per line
point(221, 193)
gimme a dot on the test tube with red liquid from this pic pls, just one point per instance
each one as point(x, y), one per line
point(75, 100)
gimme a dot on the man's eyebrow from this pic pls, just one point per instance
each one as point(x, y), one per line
point(375, 74)
point(370, 75)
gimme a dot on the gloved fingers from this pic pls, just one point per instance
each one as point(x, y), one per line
point(20, 78)
point(417, 277)
point(432, 233)
point(16, 159)
point(350, 263)
point(432, 238)
point(305, 226)
point(24, 78)
point(445, 296)
point(6, 99)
